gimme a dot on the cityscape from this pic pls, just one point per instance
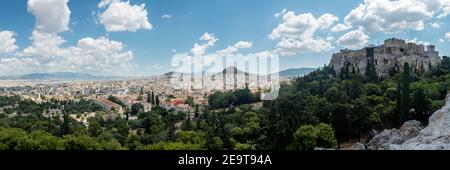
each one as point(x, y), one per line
point(154, 75)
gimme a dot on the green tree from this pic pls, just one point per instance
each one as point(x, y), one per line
point(360, 117)
point(371, 72)
point(116, 100)
point(65, 128)
point(95, 128)
point(421, 106)
point(139, 98)
point(82, 142)
point(196, 112)
point(242, 96)
point(333, 95)
point(192, 137)
point(251, 125)
point(153, 123)
point(157, 100)
point(216, 144)
point(187, 125)
point(136, 108)
point(341, 122)
point(326, 136)
point(405, 94)
point(305, 138)
point(445, 64)
point(355, 89)
point(189, 101)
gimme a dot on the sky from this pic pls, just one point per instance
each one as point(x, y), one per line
point(141, 37)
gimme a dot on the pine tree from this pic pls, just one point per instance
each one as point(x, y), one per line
point(355, 88)
point(149, 99)
point(157, 100)
point(370, 70)
point(396, 116)
point(65, 129)
point(152, 98)
point(49, 121)
point(344, 72)
point(421, 105)
point(405, 93)
point(196, 113)
point(205, 113)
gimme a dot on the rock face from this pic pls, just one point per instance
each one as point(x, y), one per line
point(386, 57)
point(436, 136)
point(411, 136)
point(357, 146)
point(388, 137)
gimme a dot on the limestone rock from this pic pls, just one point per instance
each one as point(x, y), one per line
point(388, 137)
point(357, 146)
point(436, 136)
point(386, 57)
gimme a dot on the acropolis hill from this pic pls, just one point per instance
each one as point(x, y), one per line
point(392, 55)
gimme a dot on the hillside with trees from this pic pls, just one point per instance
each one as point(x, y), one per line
point(321, 109)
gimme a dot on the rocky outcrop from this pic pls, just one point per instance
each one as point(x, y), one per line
point(357, 146)
point(411, 136)
point(393, 54)
point(436, 136)
point(389, 137)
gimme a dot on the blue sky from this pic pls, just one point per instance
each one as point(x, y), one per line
point(148, 47)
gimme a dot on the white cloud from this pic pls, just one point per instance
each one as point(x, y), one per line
point(7, 42)
point(105, 3)
point(51, 15)
point(435, 24)
point(446, 12)
point(215, 62)
point(235, 48)
point(166, 16)
point(302, 25)
point(290, 46)
point(296, 33)
point(121, 16)
point(200, 49)
point(100, 55)
point(417, 41)
point(340, 28)
point(276, 15)
point(48, 52)
point(14, 65)
point(354, 39)
point(390, 16)
point(396, 15)
point(44, 44)
point(208, 37)
point(243, 44)
point(447, 35)
point(441, 40)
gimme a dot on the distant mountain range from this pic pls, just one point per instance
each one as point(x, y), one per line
point(84, 76)
point(294, 72)
point(58, 76)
